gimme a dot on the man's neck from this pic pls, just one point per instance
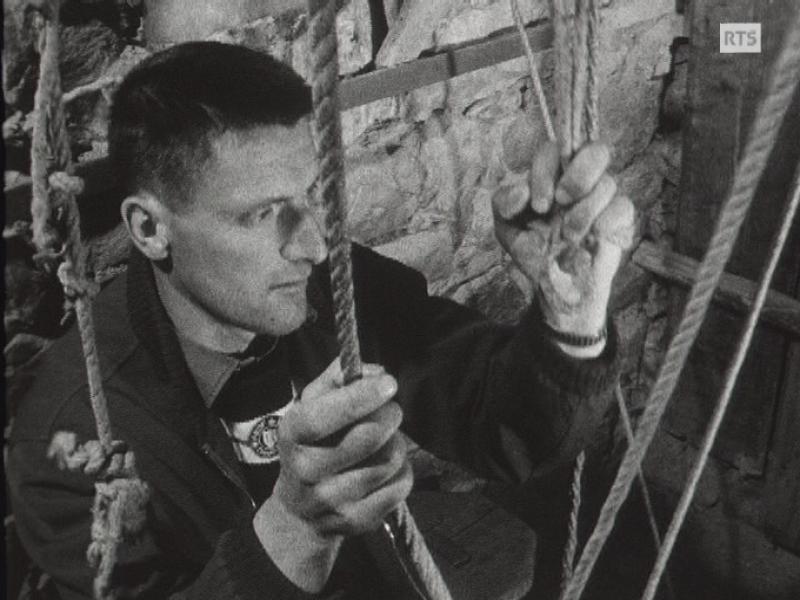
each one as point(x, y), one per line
point(196, 324)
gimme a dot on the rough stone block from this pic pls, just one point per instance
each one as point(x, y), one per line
point(423, 25)
point(383, 188)
point(173, 21)
point(430, 252)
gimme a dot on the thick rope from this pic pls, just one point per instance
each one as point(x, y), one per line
point(722, 404)
point(325, 75)
point(571, 547)
point(120, 497)
point(784, 76)
point(49, 146)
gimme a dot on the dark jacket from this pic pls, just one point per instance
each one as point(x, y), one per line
point(499, 400)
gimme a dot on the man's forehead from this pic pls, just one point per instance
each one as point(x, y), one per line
point(286, 147)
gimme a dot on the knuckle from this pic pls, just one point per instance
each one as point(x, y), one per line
point(364, 440)
point(303, 465)
point(608, 186)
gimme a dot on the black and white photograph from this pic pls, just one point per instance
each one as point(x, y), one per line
point(402, 299)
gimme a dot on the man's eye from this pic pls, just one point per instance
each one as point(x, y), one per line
point(263, 213)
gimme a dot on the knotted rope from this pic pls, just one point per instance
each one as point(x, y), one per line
point(783, 77)
point(120, 497)
point(324, 76)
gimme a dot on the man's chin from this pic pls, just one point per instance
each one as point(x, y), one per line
point(285, 322)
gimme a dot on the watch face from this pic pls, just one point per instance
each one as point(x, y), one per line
point(263, 437)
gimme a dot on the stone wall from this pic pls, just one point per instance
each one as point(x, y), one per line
point(421, 167)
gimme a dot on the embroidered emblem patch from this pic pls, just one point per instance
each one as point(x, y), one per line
point(263, 438)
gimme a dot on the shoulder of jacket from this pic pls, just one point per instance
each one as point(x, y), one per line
point(59, 387)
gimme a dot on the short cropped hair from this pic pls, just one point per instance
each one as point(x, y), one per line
point(171, 107)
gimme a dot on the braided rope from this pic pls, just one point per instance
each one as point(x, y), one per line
point(591, 115)
point(325, 74)
point(325, 70)
point(571, 547)
point(120, 496)
point(784, 75)
point(563, 76)
point(722, 404)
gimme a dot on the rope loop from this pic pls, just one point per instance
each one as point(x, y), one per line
point(119, 513)
point(75, 286)
point(91, 458)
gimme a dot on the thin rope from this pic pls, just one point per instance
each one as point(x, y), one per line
point(325, 75)
point(578, 15)
point(591, 115)
point(784, 75)
point(730, 382)
point(648, 501)
point(534, 71)
point(563, 77)
point(569, 66)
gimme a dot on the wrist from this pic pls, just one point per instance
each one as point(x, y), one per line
point(581, 336)
point(302, 554)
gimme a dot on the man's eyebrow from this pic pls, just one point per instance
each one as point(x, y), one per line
point(255, 206)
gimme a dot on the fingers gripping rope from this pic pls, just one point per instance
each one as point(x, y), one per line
point(576, 93)
point(325, 74)
point(587, 19)
point(783, 78)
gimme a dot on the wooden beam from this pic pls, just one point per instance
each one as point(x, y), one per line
point(353, 92)
point(733, 292)
point(385, 83)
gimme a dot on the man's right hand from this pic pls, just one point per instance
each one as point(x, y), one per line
point(343, 469)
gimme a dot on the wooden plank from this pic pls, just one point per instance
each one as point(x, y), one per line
point(733, 292)
point(393, 81)
point(353, 92)
point(722, 94)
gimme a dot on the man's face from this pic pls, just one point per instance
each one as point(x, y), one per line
point(242, 250)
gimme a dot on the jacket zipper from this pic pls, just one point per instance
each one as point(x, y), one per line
point(226, 471)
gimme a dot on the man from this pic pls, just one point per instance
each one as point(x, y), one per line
point(224, 317)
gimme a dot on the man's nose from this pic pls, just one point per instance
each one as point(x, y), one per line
point(303, 239)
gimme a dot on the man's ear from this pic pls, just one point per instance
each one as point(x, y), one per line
point(145, 217)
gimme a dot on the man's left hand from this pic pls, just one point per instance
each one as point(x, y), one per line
point(566, 231)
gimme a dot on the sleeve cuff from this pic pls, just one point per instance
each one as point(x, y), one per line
point(252, 572)
point(581, 376)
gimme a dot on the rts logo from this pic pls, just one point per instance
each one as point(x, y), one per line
point(739, 37)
